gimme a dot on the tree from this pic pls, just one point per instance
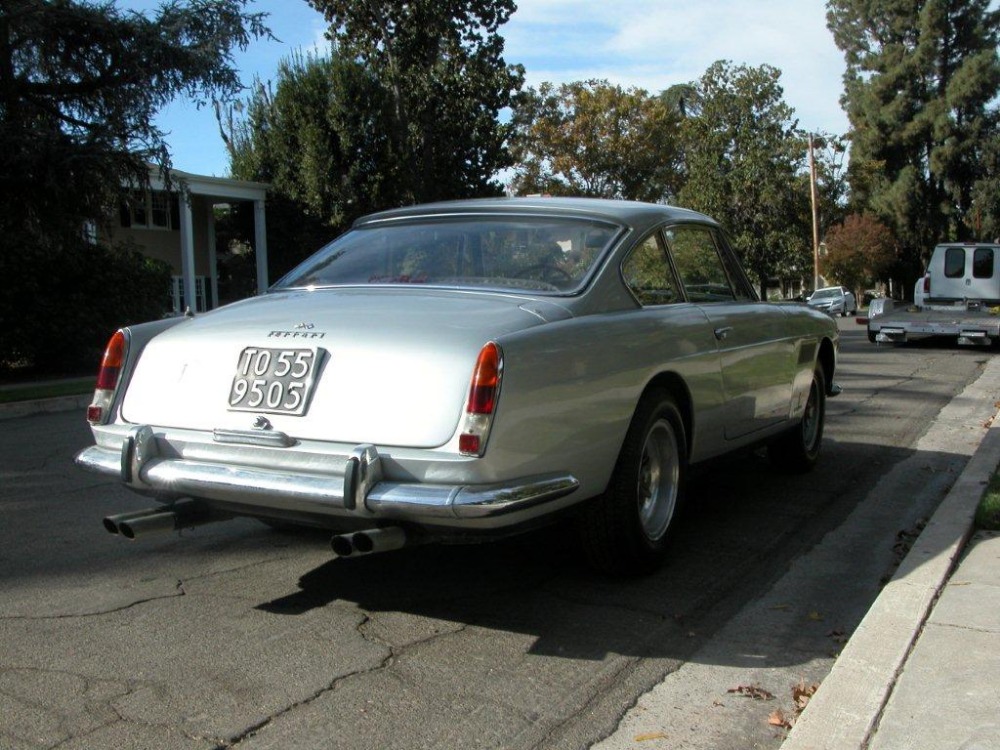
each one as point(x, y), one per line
point(860, 251)
point(319, 135)
point(920, 89)
point(743, 152)
point(80, 83)
point(985, 214)
point(592, 138)
point(440, 66)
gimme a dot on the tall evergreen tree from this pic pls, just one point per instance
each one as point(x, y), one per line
point(80, 84)
point(920, 87)
point(319, 135)
point(743, 152)
point(440, 64)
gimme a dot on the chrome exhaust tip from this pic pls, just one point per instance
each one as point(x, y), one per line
point(370, 541)
point(180, 515)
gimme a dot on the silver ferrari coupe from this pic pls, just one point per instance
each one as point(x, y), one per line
point(465, 370)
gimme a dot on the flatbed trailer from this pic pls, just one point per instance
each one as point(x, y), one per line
point(969, 322)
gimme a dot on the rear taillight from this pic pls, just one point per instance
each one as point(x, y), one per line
point(483, 392)
point(927, 284)
point(108, 378)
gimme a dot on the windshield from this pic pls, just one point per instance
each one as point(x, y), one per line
point(826, 294)
point(536, 253)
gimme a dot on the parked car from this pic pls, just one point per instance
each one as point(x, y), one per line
point(466, 370)
point(835, 300)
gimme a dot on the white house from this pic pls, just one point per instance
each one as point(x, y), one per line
point(179, 228)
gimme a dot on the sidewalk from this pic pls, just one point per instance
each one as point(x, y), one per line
point(922, 670)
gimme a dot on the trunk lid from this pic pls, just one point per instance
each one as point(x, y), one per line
point(392, 366)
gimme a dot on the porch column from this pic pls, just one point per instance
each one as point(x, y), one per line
point(213, 269)
point(260, 245)
point(187, 252)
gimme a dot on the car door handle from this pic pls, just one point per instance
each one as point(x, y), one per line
point(721, 333)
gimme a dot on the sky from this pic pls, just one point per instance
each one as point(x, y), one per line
point(649, 44)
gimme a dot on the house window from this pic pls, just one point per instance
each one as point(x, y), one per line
point(177, 302)
point(159, 210)
point(149, 210)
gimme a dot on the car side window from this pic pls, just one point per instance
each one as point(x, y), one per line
point(648, 275)
point(699, 264)
point(954, 263)
point(982, 263)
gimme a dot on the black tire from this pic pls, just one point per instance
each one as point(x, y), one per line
point(626, 530)
point(871, 336)
point(797, 450)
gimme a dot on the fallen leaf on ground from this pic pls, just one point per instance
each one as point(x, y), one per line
point(815, 616)
point(752, 691)
point(650, 736)
point(777, 719)
point(802, 694)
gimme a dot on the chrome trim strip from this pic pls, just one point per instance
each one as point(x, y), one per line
point(266, 438)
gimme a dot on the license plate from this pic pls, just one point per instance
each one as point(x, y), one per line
point(275, 381)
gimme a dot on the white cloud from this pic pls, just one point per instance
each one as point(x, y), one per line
point(654, 44)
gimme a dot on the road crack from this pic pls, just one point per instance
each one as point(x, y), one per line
point(392, 652)
point(179, 592)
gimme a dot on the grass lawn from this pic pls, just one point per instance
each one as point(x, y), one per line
point(988, 513)
point(32, 391)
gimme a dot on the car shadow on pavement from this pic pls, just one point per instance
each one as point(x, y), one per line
point(745, 530)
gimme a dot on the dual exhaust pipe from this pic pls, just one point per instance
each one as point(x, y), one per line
point(370, 541)
point(182, 515)
point(186, 515)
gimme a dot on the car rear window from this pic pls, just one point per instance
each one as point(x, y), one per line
point(525, 253)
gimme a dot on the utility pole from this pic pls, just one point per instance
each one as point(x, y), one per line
point(815, 213)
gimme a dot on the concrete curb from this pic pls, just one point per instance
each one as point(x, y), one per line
point(845, 711)
point(44, 406)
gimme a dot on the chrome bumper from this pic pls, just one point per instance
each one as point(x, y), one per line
point(357, 488)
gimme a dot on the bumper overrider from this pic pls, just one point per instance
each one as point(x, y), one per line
point(353, 486)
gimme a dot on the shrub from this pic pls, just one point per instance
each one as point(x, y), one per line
point(65, 299)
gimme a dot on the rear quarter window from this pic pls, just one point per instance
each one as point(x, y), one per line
point(954, 263)
point(982, 263)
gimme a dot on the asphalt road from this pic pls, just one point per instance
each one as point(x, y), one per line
point(235, 635)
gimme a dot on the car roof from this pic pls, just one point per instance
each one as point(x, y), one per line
point(629, 213)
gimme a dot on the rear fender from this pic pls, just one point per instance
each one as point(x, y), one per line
point(138, 336)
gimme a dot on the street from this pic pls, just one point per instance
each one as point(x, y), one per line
point(237, 635)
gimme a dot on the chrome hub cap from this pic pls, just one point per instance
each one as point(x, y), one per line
point(810, 420)
point(659, 472)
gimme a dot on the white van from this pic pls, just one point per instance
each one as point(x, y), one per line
point(963, 271)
